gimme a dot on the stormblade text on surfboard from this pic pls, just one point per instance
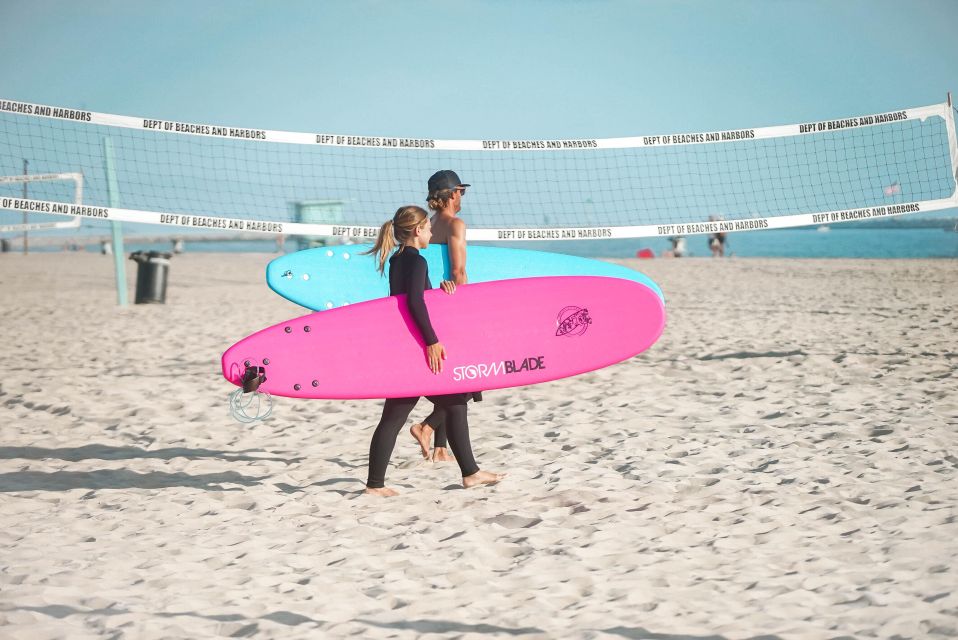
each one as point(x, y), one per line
point(473, 371)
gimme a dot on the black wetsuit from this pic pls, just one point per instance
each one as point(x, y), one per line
point(408, 274)
point(437, 420)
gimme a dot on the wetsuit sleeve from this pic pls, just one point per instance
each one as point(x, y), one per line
point(417, 304)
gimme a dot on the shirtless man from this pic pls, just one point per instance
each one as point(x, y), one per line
point(445, 200)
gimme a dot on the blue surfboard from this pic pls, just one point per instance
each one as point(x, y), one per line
point(329, 277)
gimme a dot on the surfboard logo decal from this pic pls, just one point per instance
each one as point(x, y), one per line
point(572, 321)
point(473, 371)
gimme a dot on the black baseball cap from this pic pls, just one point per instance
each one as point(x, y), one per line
point(445, 179)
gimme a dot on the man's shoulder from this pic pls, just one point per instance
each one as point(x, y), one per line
point(448, 229)
point(451, 221)
point(457, 224)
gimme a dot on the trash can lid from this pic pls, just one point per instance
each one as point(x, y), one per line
point(147, 256)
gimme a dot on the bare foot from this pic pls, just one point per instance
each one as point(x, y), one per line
point(385, 492)
point(482, 477)
point(440, 454)
point(423, 435)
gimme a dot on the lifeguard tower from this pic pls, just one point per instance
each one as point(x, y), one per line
point(318, 212)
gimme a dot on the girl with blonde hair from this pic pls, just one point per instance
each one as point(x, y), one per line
point(411, 230)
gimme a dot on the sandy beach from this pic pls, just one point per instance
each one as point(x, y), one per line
point(781, 464)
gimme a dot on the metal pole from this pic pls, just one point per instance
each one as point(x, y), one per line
point(25, 246)
point(113, 193)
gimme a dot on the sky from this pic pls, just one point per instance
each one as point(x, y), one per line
point(472, 69)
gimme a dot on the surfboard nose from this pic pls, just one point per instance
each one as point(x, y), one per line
point(244, 371)
point(253, 377)
point(280, 270)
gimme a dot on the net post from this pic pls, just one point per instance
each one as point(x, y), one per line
point(952, 143)
point(119, 266)
point(25, 237)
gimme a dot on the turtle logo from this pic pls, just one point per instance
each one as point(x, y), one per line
point(572, 321)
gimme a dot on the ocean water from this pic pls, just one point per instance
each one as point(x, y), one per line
point(786, 243)
point(782, 243)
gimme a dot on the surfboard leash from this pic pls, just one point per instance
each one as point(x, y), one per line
point(242, 400)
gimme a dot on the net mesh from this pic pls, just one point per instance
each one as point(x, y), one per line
point(906, 160)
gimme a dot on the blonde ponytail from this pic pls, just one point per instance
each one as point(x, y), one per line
point(396, 231)
point(385, 242)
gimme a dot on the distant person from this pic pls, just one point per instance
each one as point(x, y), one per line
point(717, 245)
point(445, 193)
point(4, 245)
point(678, 250)
point(411, 229)
point(717, 241)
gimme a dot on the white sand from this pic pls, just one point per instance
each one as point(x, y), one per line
point(781, 464)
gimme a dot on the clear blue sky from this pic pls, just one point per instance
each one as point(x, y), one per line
point(471, 69)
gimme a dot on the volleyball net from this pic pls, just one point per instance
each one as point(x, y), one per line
point(212, 177)
point(58, 187)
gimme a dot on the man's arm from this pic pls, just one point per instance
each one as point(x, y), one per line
point(457, 251)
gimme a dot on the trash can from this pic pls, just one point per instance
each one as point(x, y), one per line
point(152, 269)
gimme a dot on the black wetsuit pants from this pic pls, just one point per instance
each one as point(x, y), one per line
point(395, 413)
point(437, 420)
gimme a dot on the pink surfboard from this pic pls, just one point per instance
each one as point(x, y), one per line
point(507, 333)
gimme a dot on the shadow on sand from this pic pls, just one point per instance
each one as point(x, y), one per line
point(108, 452)
point(119, 479)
